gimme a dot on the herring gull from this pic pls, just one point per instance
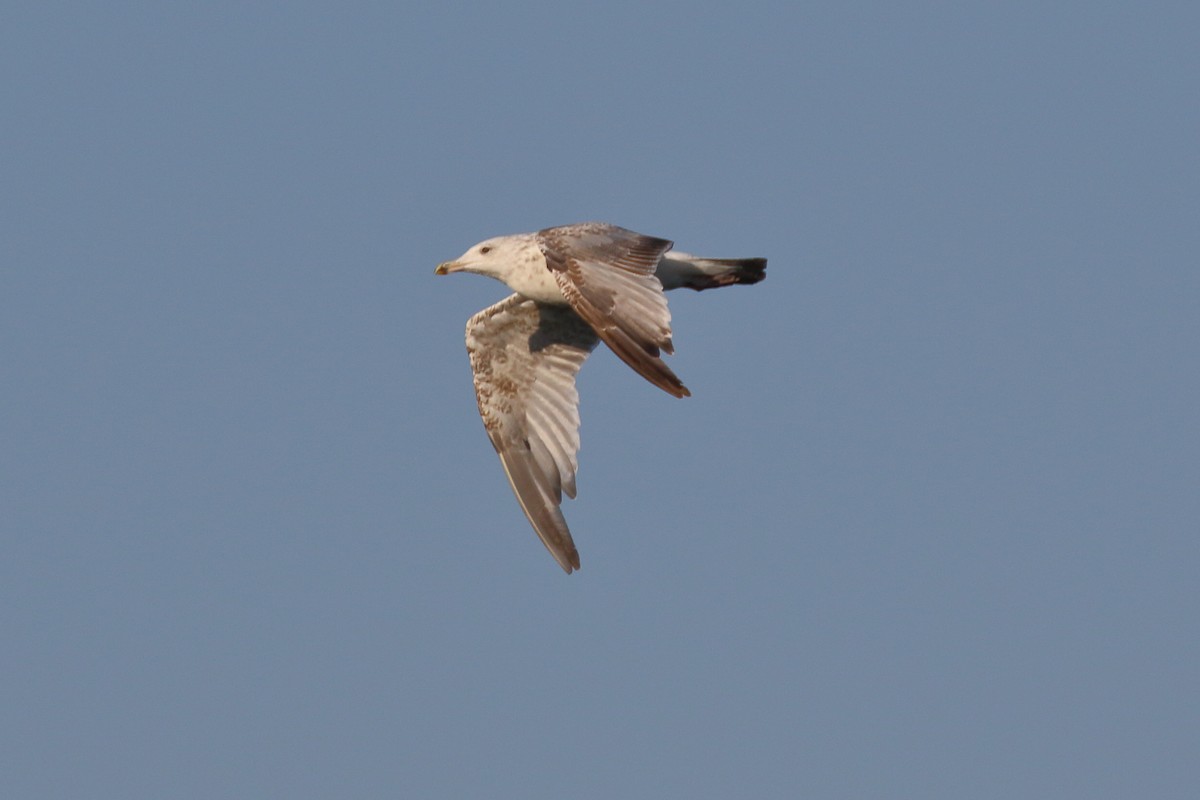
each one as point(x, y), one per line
point(576, 285)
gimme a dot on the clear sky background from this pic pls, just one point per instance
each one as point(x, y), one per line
point(927, 528)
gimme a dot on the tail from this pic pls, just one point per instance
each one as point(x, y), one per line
point(677, 270)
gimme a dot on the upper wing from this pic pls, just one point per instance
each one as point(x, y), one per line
point(607, 275)
point(525, 356)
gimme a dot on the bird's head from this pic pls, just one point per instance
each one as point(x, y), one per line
point(489, 257)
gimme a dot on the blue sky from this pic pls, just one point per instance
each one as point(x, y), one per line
point(927, 527)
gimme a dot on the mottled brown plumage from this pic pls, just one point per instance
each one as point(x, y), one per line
point(575, 286)
point(607, 275)
point(525, 356)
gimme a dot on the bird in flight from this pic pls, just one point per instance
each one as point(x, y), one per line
point(575, 286)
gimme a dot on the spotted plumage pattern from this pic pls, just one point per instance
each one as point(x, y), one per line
point(576, 285)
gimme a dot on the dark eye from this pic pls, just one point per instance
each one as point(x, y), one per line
point(484, 250)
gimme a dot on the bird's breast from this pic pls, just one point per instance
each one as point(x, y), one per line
point(530, 277)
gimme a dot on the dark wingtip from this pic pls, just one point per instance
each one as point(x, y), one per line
point(569, 560)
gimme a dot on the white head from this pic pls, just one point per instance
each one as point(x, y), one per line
point(492, 257)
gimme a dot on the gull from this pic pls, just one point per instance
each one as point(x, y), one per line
point(575, 286)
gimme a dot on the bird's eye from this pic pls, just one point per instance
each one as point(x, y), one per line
point(484, 250)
